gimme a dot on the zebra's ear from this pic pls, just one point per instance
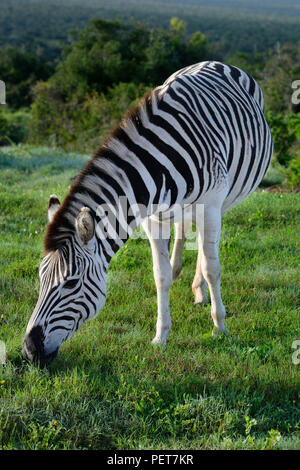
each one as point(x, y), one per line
point(53, 206)
point(85, 225)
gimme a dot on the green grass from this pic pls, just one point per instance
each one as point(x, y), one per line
point(109, 388)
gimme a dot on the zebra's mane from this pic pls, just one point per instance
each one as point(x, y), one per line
point(62, 227)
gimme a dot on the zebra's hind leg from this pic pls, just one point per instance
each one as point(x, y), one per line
point(199, 283)
point(176, 258)
point(162, 271)
point(210, 264)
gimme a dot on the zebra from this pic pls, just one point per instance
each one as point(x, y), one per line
point(198, 140)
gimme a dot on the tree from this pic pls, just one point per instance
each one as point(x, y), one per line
point(104, 53)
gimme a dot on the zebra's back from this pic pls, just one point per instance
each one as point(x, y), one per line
point(222, 108)
point(201, 132)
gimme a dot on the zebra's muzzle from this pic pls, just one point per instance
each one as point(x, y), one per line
point(33, 348)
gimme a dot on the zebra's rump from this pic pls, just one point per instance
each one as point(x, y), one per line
point(221, 74)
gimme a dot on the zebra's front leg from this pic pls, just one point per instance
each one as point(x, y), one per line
point(162, 271)
point(210, 265)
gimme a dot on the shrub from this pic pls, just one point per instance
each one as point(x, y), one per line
point(80, 124)
point(14, 125)
point(292, 173)
point(283, 136)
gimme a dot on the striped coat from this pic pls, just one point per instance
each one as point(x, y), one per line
point(198, 144)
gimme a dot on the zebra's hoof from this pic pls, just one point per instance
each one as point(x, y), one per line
point(159, 341)
point(217, 332)
point(201, 299)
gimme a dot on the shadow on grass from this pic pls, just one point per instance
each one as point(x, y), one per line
point(273, 401)
point(151, 394)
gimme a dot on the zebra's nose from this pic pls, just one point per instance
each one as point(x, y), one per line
point(33, 348)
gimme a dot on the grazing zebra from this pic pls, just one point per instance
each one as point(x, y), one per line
point(199, 140)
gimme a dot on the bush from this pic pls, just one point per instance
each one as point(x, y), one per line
point(14, 125)
point(292, 173)
point(81, 125)
point(283, 136)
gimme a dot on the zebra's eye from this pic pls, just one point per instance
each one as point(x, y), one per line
point(70, 284)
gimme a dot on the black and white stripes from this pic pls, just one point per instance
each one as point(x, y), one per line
point(199, 139)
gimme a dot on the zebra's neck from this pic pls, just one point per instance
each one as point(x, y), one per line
point(130, 177)
point(116, 203)
point(117, 193)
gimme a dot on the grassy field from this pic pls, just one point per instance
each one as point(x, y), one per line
point(109, 388)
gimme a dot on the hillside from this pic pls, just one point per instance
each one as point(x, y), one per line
point(255, 26)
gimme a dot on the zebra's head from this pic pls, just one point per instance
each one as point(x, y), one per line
point(72, 289)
